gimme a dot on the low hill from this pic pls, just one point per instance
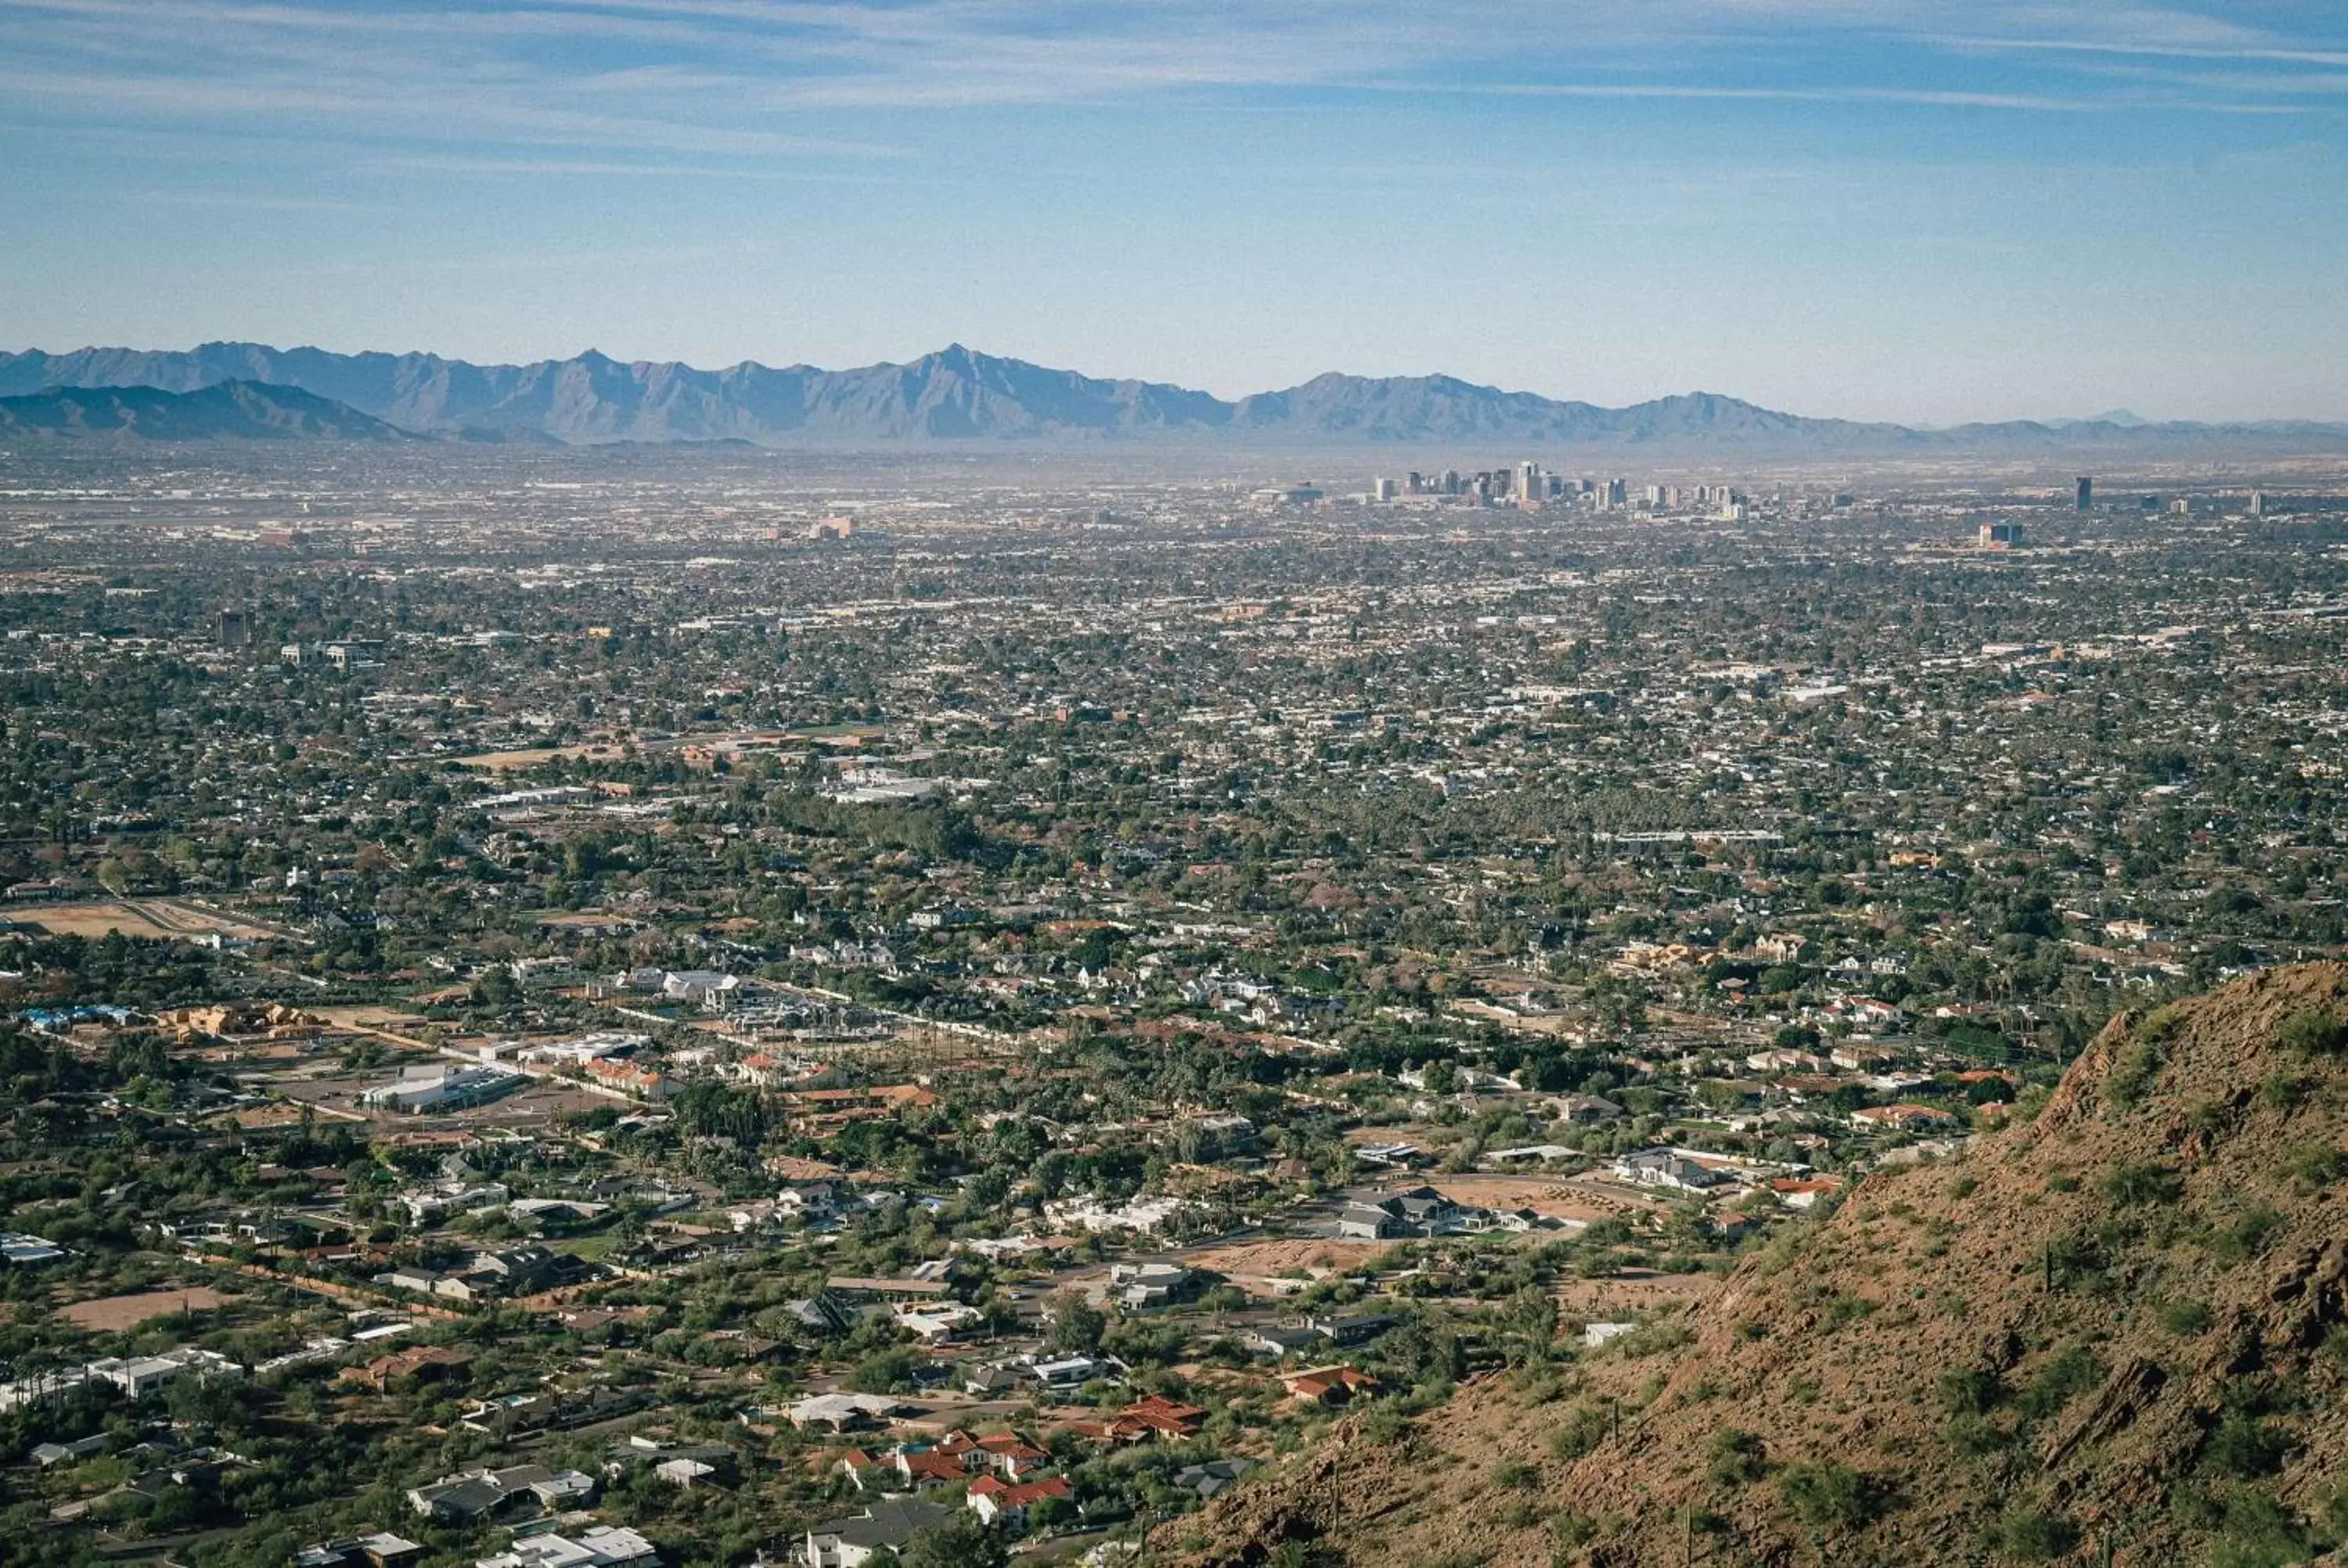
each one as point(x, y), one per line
point(2113, 1332)
point(225, 411)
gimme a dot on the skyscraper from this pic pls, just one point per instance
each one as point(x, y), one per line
point(2087, 494)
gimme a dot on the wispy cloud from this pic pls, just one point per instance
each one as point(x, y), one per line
point(755, 80)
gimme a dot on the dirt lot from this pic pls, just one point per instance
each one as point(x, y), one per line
point(1559, 1198)
point(155, 919)
point(113, 1314)
point(1273, 1259)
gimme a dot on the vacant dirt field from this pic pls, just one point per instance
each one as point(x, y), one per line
point(113, 1314)
point(155, 919)
point(1272, 1259)
point(1558, 1198)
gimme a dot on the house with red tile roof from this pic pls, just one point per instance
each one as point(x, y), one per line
point(1006, 1504)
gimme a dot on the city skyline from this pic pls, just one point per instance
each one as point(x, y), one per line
point(1916, 212)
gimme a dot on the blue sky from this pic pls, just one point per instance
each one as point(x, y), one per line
point(1918, 210)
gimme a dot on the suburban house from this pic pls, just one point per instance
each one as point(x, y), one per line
point(1144, 1284)
point(1280, 1340)
point(1328, 1385)
point(1663, 1168)
point(381, 1550)
point(1151, 1415)
point(1006, 1503)
point(600, 1546)
point(841, 1411)
point(887, 1525)
point(138, 1376)
point(1905, 1118)
point(422, 1362)
point(1212, 1478)
point(476, 1493)
point(1416, 1210)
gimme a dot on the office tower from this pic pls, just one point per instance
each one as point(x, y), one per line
point(1618, 494)
point(1382, 489)
point(235, 631)
point(1451, 481)
point(2258, 504)
point(2000, 536)
point(2087, 494)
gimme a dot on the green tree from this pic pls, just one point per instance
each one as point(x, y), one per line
point(961, 1541)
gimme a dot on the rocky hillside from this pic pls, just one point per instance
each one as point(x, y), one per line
point(2115, 1332)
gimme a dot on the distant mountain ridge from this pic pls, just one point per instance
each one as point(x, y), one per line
point(958, 395)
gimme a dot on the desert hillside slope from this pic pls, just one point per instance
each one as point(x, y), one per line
point(2115, 1332)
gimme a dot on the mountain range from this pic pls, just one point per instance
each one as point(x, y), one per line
point(960, 396)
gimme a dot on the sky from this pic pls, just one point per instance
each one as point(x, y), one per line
point(1925, 210)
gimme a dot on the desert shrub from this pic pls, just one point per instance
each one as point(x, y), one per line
point(2245, 1447)
point(2061, 1181)
point(2031, 1535)
point(1841, 1309)
point(1972, 1437)
point(2140, 1058)
point(2246, 1235)
point(1962, 1188)
point(1825, 1495)
point(1969, 1390)
point(2312, 1032)
point(1569, 1532)
point(1739, 1458)
point(2074, 1262)
point(1583, 1429)
point(2313, 1165)
point(2127, 1184)
point(1517, 1476)
point(2071, 1373)
point(2185, 1319)
point(2257, 1531)
point(1384, 1423)
point(2285, 1091)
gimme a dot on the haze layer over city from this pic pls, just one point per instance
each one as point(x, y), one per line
point(1274, 788)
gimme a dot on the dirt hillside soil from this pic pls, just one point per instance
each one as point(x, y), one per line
point(2114, 1326)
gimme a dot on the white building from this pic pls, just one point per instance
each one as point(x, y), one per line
point(138, 1376)
point(424, 1087)
point(602, 1546)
